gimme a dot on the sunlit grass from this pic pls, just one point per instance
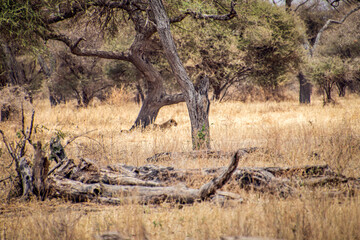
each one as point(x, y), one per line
point(288, 134)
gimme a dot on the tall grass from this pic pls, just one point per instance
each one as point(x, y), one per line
point(288, 134)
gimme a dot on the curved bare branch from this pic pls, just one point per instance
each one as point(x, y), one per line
point(329, 23)
point(75, 49)
point(210, 188)
point(225, 17)
point(300, 5)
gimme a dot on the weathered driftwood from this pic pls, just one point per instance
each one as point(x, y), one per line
point(116, 185)
point(210, 188)
point(120, 183)
point(174, 156)
point(26, 176)
point(281, 181)
point(40, 172)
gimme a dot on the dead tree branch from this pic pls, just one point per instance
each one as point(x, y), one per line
point(328, 24)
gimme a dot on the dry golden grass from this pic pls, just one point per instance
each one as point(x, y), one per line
point(292, 135)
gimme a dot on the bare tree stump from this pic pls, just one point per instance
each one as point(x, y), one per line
point(40, 172)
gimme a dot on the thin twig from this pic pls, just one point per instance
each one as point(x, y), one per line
point(71, 140)
point(56, 166)
point(301, 4)
point(31, 126)
point(8, 146)
point(2, 180)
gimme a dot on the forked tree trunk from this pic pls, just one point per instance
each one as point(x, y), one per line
point(156, 97)
point(327, 96)
point(197, 100)
point(150, 107)
point(341, 86)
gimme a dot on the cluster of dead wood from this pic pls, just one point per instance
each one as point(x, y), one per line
point(121, 184)
point(152, 184)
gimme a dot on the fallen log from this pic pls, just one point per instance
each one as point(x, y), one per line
point(87, 181)
point(174, 156)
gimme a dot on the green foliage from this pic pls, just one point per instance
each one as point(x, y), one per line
point(263, 37)
point(122, 73)
point(338, 55)
point(210, 46)
point(20, 20)
point(272, 41)
point(327, 70)
point(202, 133)
point(342, 40)
point(314, 14)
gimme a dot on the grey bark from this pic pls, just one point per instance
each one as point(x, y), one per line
point(197, 100)
point(26, 177)
point(40, 172)
point(330, 22)
point(87, 181)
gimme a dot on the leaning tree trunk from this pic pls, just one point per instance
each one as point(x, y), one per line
point(156, 97)
point(305, 89)
point(150, 106)
point(197, 100)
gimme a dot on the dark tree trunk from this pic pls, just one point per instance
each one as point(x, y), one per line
point(196, 99)
point(139, 95)
point(14, 70)
point(149, 109)
point(288, 5)
point(217, 92)
point(305, 89)
point(341, 86)
point(85, 98)
point(40, 172)
point(156, 96)
point(328, 98)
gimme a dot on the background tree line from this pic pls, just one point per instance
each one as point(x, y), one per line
point(80, 49)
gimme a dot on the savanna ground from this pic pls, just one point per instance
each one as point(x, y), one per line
point(291, 134)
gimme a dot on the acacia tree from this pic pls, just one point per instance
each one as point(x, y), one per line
point(271, 41)
point(142, 19)
point(46, 17)
point(341, 44)
point(316, 26)
point(211, 47)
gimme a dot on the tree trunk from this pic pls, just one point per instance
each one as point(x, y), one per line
point(15, 72)
point(288, 5)
point(217, 91)
point(156, 96)
point(85, 98)
point(151, 104)
point(40, 172)
point(341, 86)
point(139, 95)
point(25, 172)
point(328, 98)
point(197, 100)
point(305, 89)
